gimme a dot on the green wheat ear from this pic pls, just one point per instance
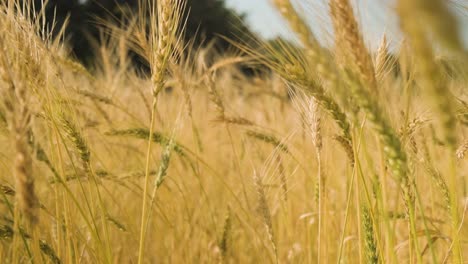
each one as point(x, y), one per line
point(224, 243)
point(157, 137)
point(372, 254)
point(74, 135)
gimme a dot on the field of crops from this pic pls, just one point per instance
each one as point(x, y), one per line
point(325, 154)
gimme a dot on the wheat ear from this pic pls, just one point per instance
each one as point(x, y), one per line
point(461, 151)
point(372, 254)
point(265, 213)
point(316, 55)
point(15, 102)
point(393, 150)
point(350, 42)
point(382, 59)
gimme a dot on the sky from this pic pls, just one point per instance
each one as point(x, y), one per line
point(260, 14)
point(377, 18)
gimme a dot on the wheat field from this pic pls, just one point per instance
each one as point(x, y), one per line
point(330, 154)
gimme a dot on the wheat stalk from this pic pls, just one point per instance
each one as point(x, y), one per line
point(429, 74)
point(163, 40)
point(393, 150)
point(431, 78)
point(316, 132)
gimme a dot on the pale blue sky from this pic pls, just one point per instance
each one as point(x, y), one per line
point(377, 17)
point(261, 15)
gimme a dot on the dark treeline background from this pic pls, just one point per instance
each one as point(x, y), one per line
point(206, 21)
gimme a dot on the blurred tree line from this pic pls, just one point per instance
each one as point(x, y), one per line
point(205, 21)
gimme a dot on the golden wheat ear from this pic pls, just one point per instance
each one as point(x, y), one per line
point(382, 59)
point(351, 49)
point(16, 102)
point(461, 151)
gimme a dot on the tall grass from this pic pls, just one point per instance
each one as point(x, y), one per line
point(351, 155)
